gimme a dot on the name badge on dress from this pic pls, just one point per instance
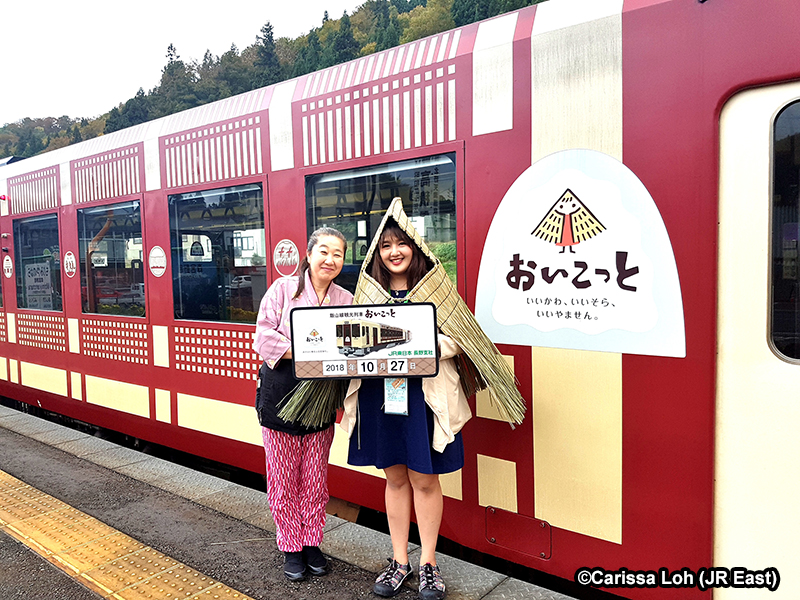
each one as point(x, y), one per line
point(395, 396)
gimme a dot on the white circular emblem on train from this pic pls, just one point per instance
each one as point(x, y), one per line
point(157, 260)
point(8, 267)
point(70, 264)
point(286, 258)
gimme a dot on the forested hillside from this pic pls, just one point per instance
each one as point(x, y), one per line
point(375, 25)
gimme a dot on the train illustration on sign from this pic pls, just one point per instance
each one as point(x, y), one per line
point(358, 337)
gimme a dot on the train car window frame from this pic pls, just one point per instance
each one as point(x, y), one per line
point(33, 279)
point(428, 186)
point(784, 262)
point(219, 253)
point(115, 242)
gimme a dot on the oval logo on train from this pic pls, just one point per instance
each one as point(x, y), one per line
point(577, 256)
point(157, 261)
point(8, 267)
point(286, 258)
point(70, 264)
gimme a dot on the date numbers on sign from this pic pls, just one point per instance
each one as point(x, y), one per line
point(367, 368)
point(334, 368)
point(397, 366)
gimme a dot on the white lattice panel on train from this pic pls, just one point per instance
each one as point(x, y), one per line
point(216, 352)
point(109, 175)
point(34, 191)
point(215, 153)
point(128, 342)
point(409, 112)
point(391, 62)
point(42, 331)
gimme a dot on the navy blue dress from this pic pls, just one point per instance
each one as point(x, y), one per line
point(383, 440)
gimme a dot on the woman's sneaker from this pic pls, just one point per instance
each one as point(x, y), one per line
point(431, 584)
point(391, 578)
point(315, 560)
point(293, 566)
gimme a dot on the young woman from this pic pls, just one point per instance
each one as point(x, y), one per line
point(297, 456)
point(413, 449)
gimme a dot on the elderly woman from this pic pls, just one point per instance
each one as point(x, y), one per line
point(297, 456)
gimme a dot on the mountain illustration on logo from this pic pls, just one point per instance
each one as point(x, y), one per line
point(568, 223)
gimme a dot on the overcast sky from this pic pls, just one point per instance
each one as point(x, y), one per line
point(81, 58)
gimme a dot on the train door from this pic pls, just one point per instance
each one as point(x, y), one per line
point(7, 289)
point(758, 375)
point(347, 341)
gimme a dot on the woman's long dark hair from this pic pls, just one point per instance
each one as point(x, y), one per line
point(418, 268)
point(313, 240)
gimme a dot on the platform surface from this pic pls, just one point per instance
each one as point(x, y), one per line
point(104, 521)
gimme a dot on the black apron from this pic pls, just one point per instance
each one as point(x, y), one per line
point(273, 386)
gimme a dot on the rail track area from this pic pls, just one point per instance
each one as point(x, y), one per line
point(83, 518)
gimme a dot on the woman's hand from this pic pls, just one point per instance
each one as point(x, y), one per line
point(288, 354)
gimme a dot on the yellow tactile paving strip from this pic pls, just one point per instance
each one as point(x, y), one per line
point(98, 556)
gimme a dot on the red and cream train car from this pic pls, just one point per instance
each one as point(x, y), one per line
point(614, 187)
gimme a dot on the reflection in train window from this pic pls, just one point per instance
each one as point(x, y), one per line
point(219, 268)
point(38, 263)
point(786, 232)
point(110, 248)
point(355, 201)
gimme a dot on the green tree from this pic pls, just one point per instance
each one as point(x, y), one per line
point(465, 12)
point(235, 74)
point(386, 29)
point(344, 46)
point(421, 22)
point(208, 87)
point(310, 55)
point(31, 140)
point(288, 51)
point(267, 67)
point(115, 121)
point(176, 90)
point(469, 11)
point(75, 135)
point(404, 6)
point(133, 112)
point(389, 36)
point(137, 109)
point(59, 141)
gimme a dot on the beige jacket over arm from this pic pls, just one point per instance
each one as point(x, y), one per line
point(443, 394)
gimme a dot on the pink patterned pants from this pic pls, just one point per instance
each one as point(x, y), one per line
point(297, 485)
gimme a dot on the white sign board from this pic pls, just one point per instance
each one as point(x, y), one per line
point(38, 286)
point(577, 256)
point(370, 340)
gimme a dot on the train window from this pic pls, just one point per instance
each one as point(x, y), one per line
point(786, 232)
point(38, 265)
point(110, 244)
point(355, 201)
point(219, 268)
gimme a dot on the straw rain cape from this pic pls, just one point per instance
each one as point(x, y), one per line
point(480, 367)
